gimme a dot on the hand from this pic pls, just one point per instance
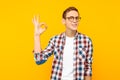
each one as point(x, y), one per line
point(38, 26)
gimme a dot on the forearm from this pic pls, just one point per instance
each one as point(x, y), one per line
point(37, 50)
point(88, 78)
point(42, 56)
point(37, 47)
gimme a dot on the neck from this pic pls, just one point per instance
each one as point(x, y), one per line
point(70, 33)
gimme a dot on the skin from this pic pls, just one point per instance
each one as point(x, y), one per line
point(71, 27)
point(70, 31)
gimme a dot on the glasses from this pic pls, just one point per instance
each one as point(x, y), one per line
point(71, 18)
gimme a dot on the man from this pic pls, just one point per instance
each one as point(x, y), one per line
point(72, 50)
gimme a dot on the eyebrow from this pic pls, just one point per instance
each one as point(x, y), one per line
point(72, 16)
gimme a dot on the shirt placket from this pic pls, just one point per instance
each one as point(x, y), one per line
point(75, 63)
point(63, 44)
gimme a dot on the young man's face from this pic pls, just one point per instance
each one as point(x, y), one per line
point(72, 20)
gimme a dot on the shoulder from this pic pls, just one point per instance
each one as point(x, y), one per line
point(85, 37)
point(58, 36)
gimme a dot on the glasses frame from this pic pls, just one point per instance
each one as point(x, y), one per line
point(72, 18)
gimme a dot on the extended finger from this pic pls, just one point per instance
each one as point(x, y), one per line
point(38, 17)
point(33, 20)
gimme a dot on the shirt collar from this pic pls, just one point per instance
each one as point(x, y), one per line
point(63, 35)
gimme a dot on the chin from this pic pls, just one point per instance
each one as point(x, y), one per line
point(74, 29)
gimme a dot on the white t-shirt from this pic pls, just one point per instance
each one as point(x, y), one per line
point(67, 73)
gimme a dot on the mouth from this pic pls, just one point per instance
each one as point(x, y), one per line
point(74, 25)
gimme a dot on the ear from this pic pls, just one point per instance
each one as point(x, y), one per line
point(63, 20)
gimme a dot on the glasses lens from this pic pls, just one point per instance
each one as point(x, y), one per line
point(71, 18)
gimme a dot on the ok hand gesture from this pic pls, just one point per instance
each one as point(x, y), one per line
point(38, 26)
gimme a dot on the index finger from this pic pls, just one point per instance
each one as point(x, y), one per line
point(44, 24)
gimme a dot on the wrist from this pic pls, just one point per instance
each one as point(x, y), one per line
point(36, 34)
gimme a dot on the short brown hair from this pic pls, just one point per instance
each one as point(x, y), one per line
point(68, 10)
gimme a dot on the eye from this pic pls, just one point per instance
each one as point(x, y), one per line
point(77, 18)
point(71, 17)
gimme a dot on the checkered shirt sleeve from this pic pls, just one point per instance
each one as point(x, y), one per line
point(42, 56)
point(89, 58)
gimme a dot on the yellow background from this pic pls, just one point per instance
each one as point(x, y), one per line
point(100, 21)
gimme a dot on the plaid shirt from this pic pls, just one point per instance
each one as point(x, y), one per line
point(82, 56)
